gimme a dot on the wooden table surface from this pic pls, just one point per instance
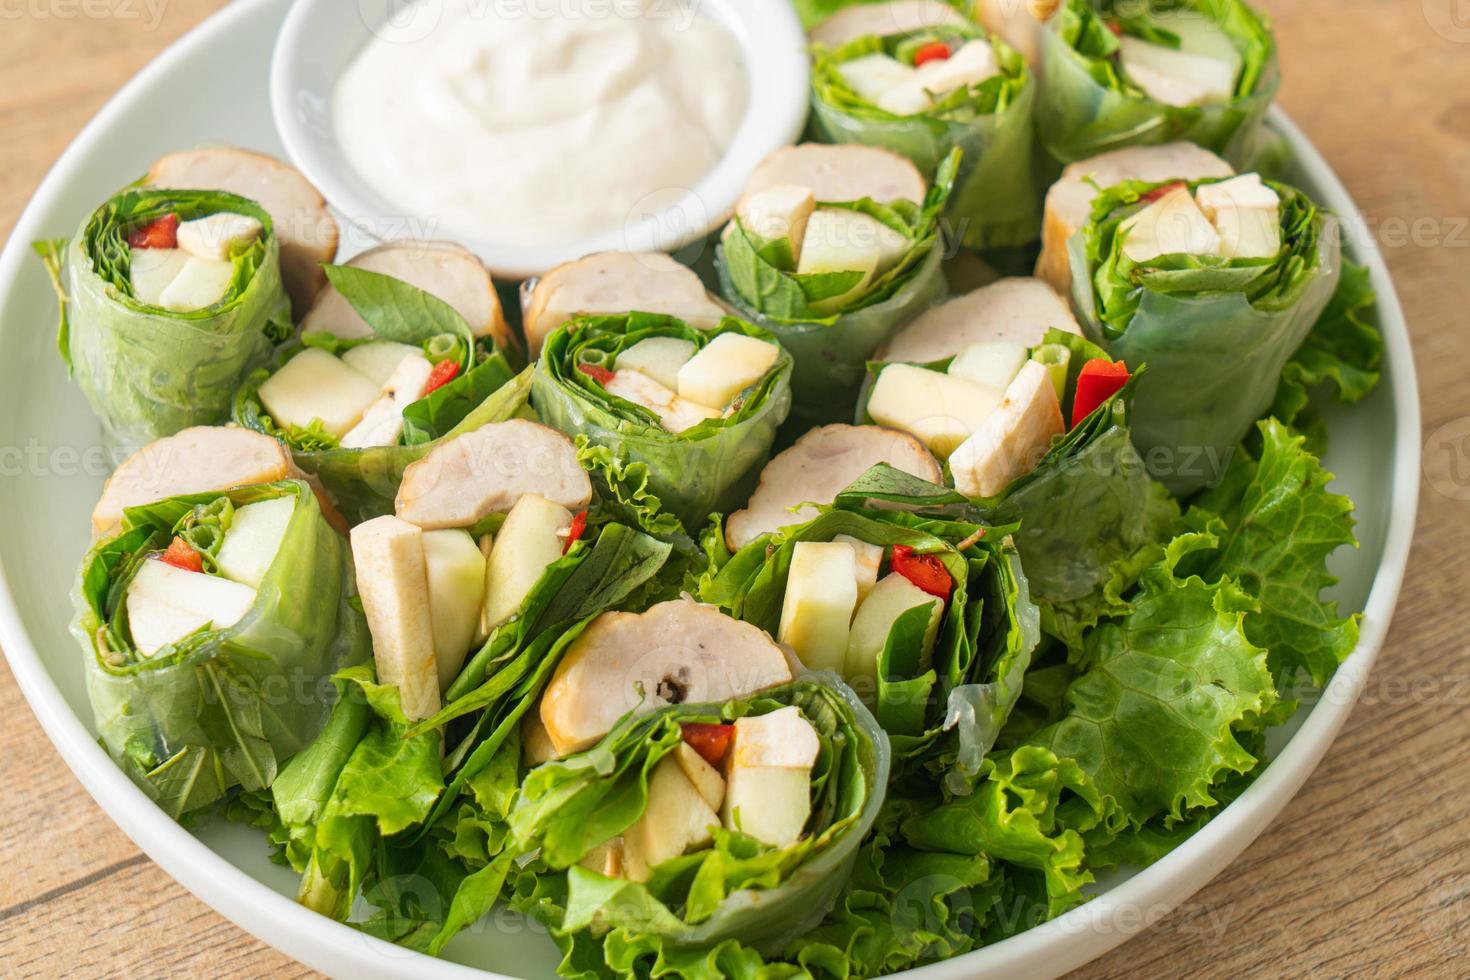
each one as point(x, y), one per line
point(1368, 870)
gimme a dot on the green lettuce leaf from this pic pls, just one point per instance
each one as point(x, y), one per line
point(1343, 350)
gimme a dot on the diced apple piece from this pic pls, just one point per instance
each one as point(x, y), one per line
point(868, 558)
point(677, 652)
point(727, 365)
point(393, 582)
point(382, 423)
point(768, 784)
point(676, 820)
point(202, 598)
point(529, 541)
point(780, 211)
point(942, 410)
point(993, 364)
point(840, 240)
point(890, 599)
point(217, 235)
point(821, 594)
point(1172, 225)
point(1200, 34)
point(1012, 441)
point(606, 858)
point(456, 572)
point(154, 624)
point(1246, 214)
point(200, 283)
point(873, 74)
point(658, 357)
point(674, 413)
point(152, 270)
point(316, 385)
point(1176, 77)
point(254, 538)
point(711, 784)
point(377, 360)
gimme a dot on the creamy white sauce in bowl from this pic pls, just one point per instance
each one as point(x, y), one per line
point(536, 131)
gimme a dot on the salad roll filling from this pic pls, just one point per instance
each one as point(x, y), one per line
point(1113, 75)
point(924, 91)
point(697, 408)
point(831, 249)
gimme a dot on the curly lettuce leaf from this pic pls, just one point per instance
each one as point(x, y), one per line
point(1343, 350)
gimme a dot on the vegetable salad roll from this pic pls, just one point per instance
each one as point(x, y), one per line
point(615, 282)
point(1213, 284)
point(924, 89)
point(703, 822)
point(169, 298)
point(699, 408)
point(927, 618)
point(833, 248)
point(355, 411)
point(1115, 74)
point(211, 623)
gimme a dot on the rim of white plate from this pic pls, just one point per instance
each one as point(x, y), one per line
point(773, 49)
point(318, 941)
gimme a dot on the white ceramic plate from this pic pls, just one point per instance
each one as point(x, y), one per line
point(51, 469)
point(321, 37)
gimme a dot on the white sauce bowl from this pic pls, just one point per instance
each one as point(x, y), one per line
point(320, 38)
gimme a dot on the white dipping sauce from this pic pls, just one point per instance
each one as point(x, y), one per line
point(539, 121)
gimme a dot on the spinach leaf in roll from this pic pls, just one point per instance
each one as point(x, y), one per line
point(698, 824)
point(355, 411)
point(923, 90)
point(833, 248)
point(699, 408)
point(1115, 74)
point(211, 623)
point(926, 617)
point(1213, 284)
point(169, 298)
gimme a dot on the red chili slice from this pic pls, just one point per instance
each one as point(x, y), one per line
point(180, 555)
point(574, 533)
point(925, 571)
point(160, 233)
point(933, 51)
point(1098, 381)
point(443, 373)
point(712, 742)
point(597, 373)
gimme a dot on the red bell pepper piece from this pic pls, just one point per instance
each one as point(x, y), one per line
point(443, 373)
point(574, 533)
point(933, 51)
point(597, 373)
point(1159, 192)
point(180, 555)
point(1115, 27)
point(712, 742)
point(925, 571)
point(1100, 380)
point(160, 233)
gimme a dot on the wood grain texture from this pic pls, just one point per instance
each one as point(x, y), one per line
point(1366, 872)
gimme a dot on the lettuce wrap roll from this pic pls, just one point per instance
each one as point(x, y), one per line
point(169, 298)
point(832, 249)
point(645, 848)
point(355, 412)
point(1213, 284)
point(924, 91)
point(211, 624)
point(474, 589)
point(1115, 74)
point(927, 617)
point(698, 408)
